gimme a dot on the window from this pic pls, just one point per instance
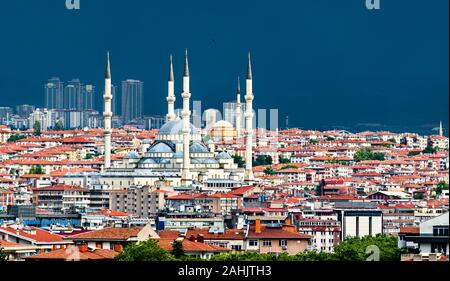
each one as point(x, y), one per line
point(253, 243)
point(440, 231)
point(283, 243)
point(267, 243)
point(236, 247)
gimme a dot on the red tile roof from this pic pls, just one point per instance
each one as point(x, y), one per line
point(72, 253)
point(40, 236)
point(109, 234)
point(229, 234)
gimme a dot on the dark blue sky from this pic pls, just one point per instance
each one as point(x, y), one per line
point(325, 63)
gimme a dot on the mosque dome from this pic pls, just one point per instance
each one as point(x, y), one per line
point(161, 147)
point(132, 155)
point(223, 155)
point(198, 147)
point(175, 127)
point(147, 161)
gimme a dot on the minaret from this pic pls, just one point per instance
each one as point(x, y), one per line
point(186, 114)
point(170, 96)
point(107, 114)
point(238, 110)
point(441, 129)
point(249, 122)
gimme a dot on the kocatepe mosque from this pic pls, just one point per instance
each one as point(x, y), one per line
point(178, 155)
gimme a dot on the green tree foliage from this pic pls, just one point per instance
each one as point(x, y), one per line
point(284, 160)
point(367, 154)
point(288, 167)
point(392, 140)
point(3, 255)
point(145, 251)
point(441, 186)
point(418, 196)
point(313, 141)
point(429, 150)
point(413, 153)
point(263, 160)
point(37, 128)
point(37, 170)
point(239, 161)
point(14, 138)
point(88, 156)
point(177, 249)
point(354, 248)
point(59, 126)
point(269, 171)
point(330, 138)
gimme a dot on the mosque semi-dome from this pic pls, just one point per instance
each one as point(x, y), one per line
point(161, 147)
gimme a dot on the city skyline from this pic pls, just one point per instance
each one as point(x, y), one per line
point(348, 65)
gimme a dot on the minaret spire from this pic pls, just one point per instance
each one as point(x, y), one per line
point(170, 93)
point(170, 68)
point(107, 114)
point(441, 129)
point(249, 68)
point(186, 65)
point(186, 95)
point(108, 67)
point(249, 123)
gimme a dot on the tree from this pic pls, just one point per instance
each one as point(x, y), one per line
point(284, 160)
point(37, 170)
point(418, 196)
point(392, 140)
point(429, 150)
point(330, 138)
point(177, 249)
point(367, 154)
point(3, 255)
point(413, 153)
point(37, 128)
point(269, 171)
point(14, 138)
point(263, 160)
point(354, 248)
point(59, 126)
point(441, 186)
point(313, 141)
point(239, 161)
point(288, 167)
point(88, 156)
point(145, 251)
